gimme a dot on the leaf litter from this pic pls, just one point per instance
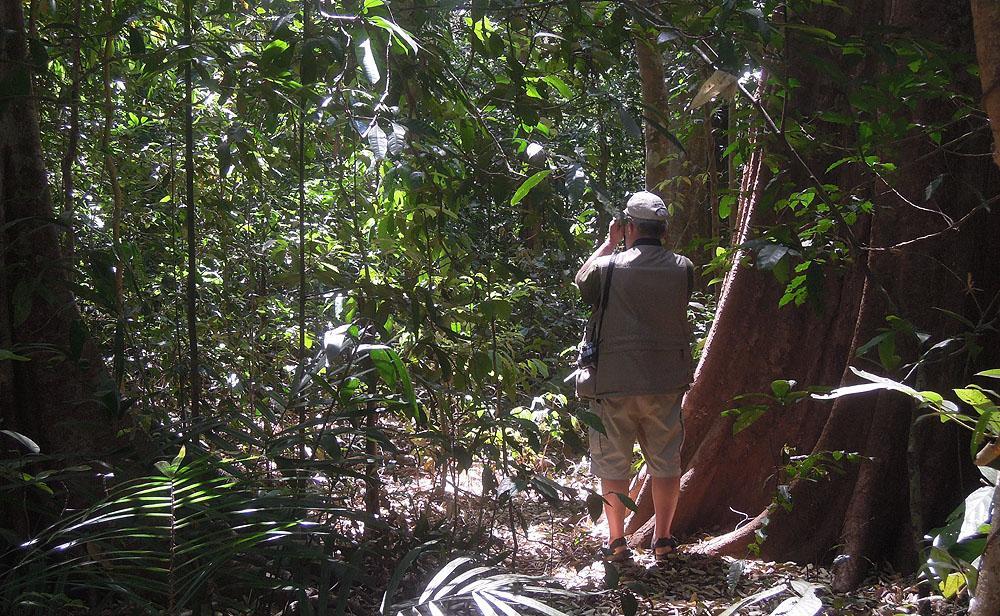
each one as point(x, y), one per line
point(559, 541)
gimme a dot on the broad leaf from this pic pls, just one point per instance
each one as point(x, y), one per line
point(29, 444)
point(395, 30)
point(628, 122)
point(378, 142)
point(528, 184)
point(719, 85)
point(366, 57)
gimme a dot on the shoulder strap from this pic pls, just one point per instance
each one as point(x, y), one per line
point(603, 306)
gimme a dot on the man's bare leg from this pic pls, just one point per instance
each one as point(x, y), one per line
point(666, 490)
point(614, 508)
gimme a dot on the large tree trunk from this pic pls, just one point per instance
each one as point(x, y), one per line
point(986, 20)
point(52, 394)
point(864, 514)
point(690, 199)
point(654, 97)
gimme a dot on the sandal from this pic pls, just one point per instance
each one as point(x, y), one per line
point(663, 548)
point(617, 551)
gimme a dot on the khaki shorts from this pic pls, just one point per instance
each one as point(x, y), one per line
point(652, 419)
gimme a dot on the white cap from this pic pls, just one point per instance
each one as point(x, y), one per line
point(645, 205)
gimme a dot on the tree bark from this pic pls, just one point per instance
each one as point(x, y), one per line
point(117, 199)
point(60, 396)
point(72, 138)
point(863, 514)
point(191, 212)
point(986, 22)
point(670, 173)
point(654, 97)
point(987, 599)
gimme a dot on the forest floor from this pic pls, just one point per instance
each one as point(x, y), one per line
point(561, 543)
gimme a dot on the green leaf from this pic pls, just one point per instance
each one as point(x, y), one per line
point(528, 184)
point(165, 468)
point(396, 139)
point(179, 457)
point(812, 31)
point(628, 502)
point(747, 415)
point(993, 373)
point(136, 42)
point(398, 572)
point(972, 397)
point(726, 204)
point(480, 365)
point(378, 141)
point(952, 585)
point(666, 36)
point(29, 444)
point(560, 85)
point(628, 122)
point(887, 355)
point(274, 50)
point(986, 422)
point(770, 254)
point(876, 383)
point(781, 388)
point(397, 31)
point(592, 420)
point(6, 355)
point(365, 56)
point(932, 187)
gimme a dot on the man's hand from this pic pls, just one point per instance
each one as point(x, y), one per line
point(616, 233)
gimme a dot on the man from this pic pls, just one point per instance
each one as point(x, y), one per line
point(643, 366)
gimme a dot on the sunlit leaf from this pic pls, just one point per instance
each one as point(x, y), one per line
point(523, 190)
point(366, 57)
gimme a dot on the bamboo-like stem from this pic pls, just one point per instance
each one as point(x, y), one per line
point(713, 176)
point(117, 200)
point(194, 376)
point(303, 101)
point(72, 139)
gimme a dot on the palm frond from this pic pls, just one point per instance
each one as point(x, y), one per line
point(482, 589)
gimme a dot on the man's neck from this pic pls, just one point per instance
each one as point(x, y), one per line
point(646, 241)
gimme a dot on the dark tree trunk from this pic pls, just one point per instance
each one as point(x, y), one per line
point(864, 514)
point(54, 396)
point(986, 20)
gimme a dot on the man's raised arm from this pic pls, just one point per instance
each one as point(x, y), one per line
point(615, 234)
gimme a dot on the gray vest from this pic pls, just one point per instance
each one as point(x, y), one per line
point(645, 345)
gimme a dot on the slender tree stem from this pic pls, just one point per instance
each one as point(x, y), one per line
point(194, 374)
point(72, 139)
point(303, 101)
point(117, 203)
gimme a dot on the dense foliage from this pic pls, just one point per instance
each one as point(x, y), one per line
point(326, 247)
